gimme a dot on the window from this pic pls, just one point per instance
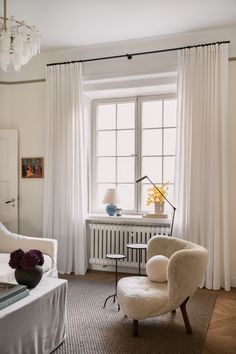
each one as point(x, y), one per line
point(133, 137)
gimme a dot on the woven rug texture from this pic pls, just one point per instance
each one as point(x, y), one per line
point(92, 329)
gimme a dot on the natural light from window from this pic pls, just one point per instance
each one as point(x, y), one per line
point(132, 138)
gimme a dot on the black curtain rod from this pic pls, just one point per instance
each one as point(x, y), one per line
point(131, 55)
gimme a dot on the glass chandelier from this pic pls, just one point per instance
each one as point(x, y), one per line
point(18, 42)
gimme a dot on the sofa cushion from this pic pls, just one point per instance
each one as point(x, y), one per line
point(7, 273)
point(47, 265)
point(140, 298)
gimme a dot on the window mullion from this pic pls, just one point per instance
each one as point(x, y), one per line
point(162, 160)
point(138, 152)
point(92, 198)
point(116, 164)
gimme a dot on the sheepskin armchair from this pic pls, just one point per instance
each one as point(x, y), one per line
point(140, 298)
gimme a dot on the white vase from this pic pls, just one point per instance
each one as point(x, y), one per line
point(159, 207)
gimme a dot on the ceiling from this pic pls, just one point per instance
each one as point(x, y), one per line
point(74, 23)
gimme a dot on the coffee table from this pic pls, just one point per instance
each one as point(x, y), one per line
point(35, 324)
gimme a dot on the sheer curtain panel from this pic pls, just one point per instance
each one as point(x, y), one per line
point(201, 189)
point(65, 193)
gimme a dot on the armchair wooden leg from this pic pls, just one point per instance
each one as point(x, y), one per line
point(185, 316)
point(135, 328)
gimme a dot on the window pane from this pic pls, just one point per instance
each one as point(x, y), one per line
point(152, 167)
point(106, 116)
point(106, 143)
point(125, 115)
point(152, 114)
point(126, 193)
point(101, 190)
point(169, 165)
point(125, 142)
point(152, 142)
point(106, 169)
point(169, 141)
point(170, 107)
point(125, 169)
point(144, 194)
point(168, 207)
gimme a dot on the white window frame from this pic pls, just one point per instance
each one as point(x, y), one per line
point(138, 147)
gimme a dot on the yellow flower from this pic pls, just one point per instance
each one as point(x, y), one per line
point(154, 195)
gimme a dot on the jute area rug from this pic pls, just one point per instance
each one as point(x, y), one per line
point(93, 329)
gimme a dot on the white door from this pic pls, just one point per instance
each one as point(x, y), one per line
point(9, 179)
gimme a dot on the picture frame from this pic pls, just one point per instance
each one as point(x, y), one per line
point(32, 167)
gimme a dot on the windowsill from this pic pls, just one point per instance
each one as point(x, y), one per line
point(128, 219)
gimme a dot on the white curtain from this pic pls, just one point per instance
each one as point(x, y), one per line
point(65, 193)
point(201, 189)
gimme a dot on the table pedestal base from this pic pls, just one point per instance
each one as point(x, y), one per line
point(116, 257)
point(114, 300)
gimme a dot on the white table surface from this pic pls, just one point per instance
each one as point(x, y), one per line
point(36, 323)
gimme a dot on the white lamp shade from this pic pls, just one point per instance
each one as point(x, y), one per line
point(111, 197)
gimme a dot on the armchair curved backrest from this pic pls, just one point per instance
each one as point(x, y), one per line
point(186, 267)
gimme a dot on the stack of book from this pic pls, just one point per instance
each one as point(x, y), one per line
point(10, 293)
point(157, 216)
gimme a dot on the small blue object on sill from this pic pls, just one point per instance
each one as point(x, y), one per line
point(111, 209)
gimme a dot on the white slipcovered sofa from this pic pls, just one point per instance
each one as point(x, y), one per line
point(141, 298)
point(10, 242)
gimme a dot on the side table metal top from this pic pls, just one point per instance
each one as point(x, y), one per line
point(137, 246)
point(115, 256)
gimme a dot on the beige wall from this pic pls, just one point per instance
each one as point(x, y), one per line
point(24, 106)
point(4, 104)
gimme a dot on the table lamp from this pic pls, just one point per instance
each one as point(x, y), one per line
point(111, 198)
point(174, 208)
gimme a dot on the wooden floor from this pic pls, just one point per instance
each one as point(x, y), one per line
point(221, 335)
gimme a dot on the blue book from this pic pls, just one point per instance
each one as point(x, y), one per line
point(10, 293)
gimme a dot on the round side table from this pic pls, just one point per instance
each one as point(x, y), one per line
point(138, 247)
point(116, 257)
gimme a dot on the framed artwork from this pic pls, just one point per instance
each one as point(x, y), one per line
point(32, 167)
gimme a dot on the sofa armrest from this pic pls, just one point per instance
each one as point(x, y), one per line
point(45, 245)
point(10, 242)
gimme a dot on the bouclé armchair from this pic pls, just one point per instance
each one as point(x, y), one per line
point(141, 298)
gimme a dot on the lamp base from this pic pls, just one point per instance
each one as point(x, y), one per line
point(111, 209)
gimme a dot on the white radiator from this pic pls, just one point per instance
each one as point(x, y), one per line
point(113, 238)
